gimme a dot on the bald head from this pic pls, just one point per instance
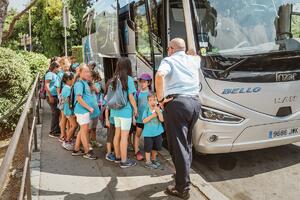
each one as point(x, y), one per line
point(178, 44)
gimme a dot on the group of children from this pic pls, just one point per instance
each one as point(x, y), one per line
point(77, 94)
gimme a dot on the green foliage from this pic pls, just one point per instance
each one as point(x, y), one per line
point(36, 62)
point(78, 53)
point(17, 72)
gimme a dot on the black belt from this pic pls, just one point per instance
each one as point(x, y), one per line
point(174, 96)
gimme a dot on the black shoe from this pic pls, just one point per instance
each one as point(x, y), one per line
point(171, 190)
point(54, 135)
point(90, 155)
point(77, 153)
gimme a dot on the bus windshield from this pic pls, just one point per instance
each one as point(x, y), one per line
point(246, 27)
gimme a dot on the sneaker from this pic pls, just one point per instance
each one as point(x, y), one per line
point(156, 162)
point(128, 163)
point(150, 165)
point(110, 157)
point(61, 139)
point(117, 160)
point(54, 135)
point(77, 153)
point(139, 156)
point(94, 143)
point(68, 146)
point(90, 155)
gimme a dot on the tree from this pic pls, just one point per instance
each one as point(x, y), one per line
point(15, 19)
point(3, 11)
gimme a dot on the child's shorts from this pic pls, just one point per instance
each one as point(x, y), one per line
point(123, 123)
point(83, 119)
point(140, 125)
point(94, 123)
point(153, 143)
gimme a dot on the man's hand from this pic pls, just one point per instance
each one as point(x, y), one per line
point(162, 104)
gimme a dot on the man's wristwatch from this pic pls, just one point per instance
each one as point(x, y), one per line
point(162, 100)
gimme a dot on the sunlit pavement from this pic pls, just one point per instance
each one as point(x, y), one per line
point(63, 176)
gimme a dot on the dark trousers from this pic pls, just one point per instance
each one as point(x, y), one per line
point(180, 116)
point(55, 112)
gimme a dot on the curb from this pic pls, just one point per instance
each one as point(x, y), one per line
point(204, 187)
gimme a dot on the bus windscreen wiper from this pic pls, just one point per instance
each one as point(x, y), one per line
point(227, 71)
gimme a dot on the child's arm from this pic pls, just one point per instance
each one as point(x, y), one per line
point(84, 104)
point(159, 114)
point(148, 119)
point(133, 103)
point(107, 123)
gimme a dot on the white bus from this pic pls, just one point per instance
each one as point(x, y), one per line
point(250, 61)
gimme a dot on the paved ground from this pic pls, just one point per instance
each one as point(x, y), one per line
point(257, 175)
point(65, 177)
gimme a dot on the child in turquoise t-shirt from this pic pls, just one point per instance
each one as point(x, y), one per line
point(153, 129)
point(145, 82)
point(95, 89)
point(67, 79)
point(85, 109)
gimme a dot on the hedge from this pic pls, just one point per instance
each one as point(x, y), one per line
point(17, 72)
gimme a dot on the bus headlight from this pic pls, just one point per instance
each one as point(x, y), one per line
point(213, 115)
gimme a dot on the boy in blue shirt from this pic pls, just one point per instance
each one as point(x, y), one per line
point(152, 132)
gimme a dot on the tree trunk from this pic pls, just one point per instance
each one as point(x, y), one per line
point(3, 12)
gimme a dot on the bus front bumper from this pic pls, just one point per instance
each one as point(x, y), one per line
point(213, 138)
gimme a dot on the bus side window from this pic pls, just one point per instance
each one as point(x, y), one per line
point(142, 31)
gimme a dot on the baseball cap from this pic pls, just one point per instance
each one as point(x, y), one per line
point(145, 77)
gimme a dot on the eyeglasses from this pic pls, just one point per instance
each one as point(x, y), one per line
point(169, 48)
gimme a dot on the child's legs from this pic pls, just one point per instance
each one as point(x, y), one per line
point(72, 129)
point(125, 128)
point(84, 135)
point(153, 154)
point(110, 138)
point(62, 124)
point(93, 128)
point(137, 139)
point(124, 145)
point(117, 142)
point(157, 145)
point(148, 144)
point(78, 142)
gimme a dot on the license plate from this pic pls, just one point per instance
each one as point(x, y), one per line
point(283, 133)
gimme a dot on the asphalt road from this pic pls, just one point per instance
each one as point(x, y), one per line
point(265, 174)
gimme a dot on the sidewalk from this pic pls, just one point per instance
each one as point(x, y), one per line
point(63, 176)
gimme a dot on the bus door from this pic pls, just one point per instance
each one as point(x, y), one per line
point(149, 18)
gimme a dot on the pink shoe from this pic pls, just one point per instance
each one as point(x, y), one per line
point(139, 156)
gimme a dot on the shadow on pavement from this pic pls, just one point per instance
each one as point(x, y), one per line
point(229, 166)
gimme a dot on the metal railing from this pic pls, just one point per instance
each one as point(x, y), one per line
point(28, 134)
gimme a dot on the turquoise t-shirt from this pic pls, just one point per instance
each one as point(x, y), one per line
point(98, 95)
point(81, 88)
point(125, 112)
point(50, 76)
point(142, 102)
point(60, 75)
point(65, 93)
point(154, 127)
